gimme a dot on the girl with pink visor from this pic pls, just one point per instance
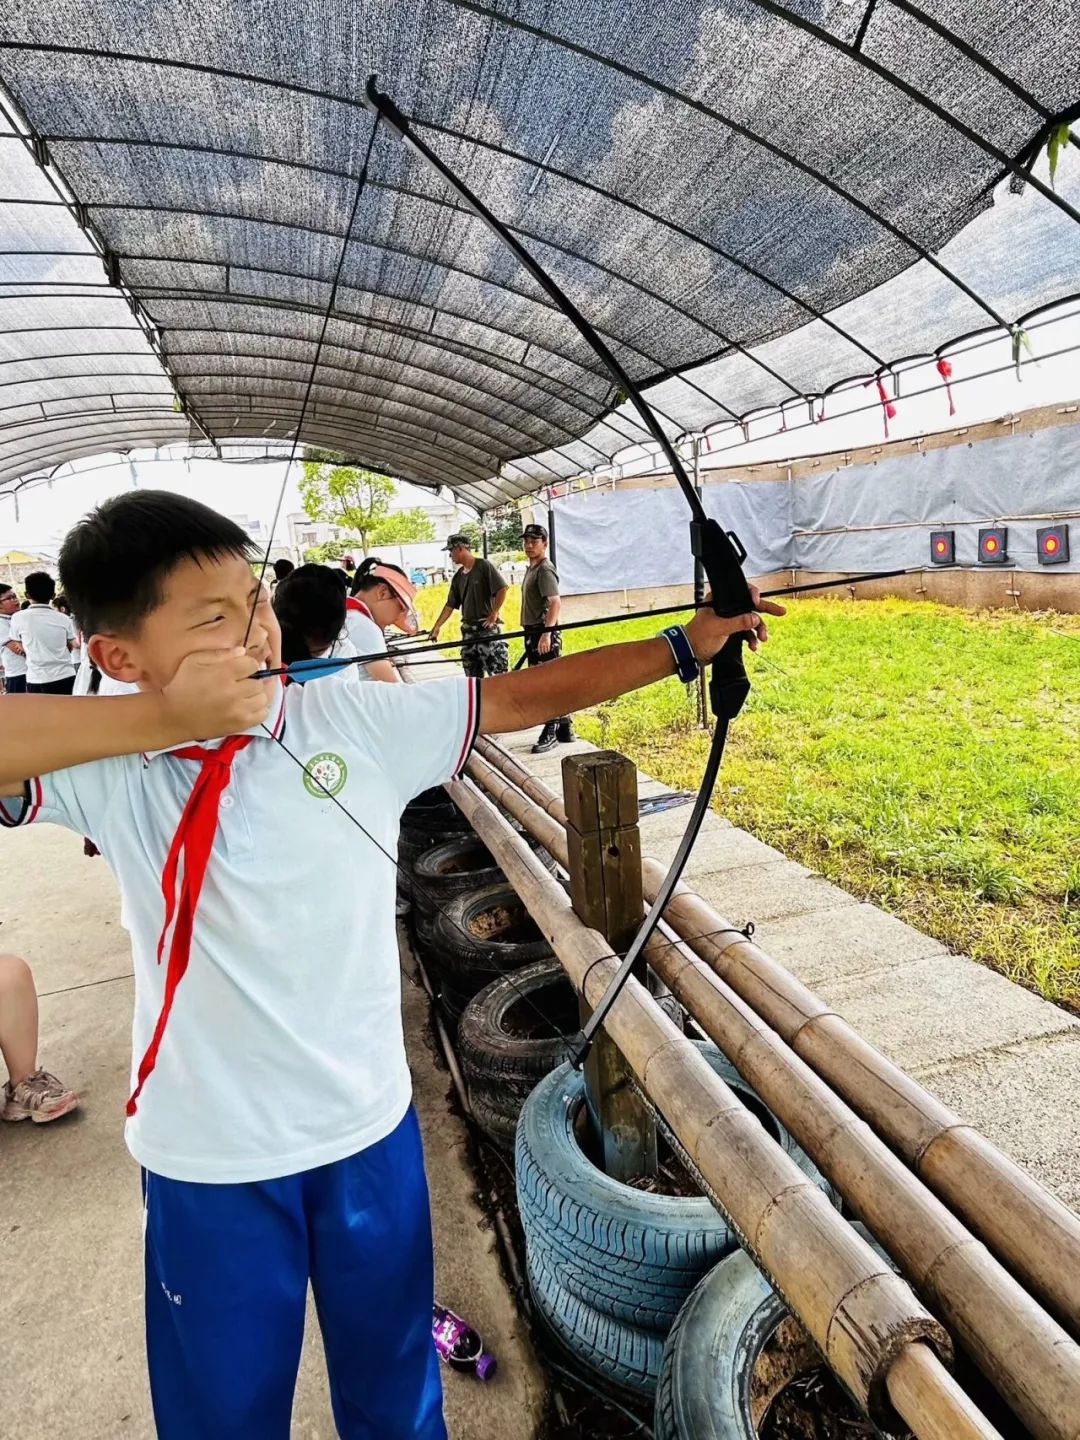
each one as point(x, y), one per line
point(382, 596)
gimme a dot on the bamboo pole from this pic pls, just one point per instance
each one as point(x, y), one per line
point(1024, 1352)
point(1029, 1228)
point(860, 1314)
point(920, 1385)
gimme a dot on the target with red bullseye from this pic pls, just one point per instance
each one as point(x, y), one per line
point(992, 545)
point(1053, 544)
point(943, 547)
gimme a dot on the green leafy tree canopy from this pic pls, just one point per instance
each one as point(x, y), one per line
point(331, 552)
point(360, 499)
point(504, 531)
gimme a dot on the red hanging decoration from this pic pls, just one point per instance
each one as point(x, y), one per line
point(888, 409)
point(944, 369)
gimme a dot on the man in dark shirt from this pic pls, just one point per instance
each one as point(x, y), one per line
point(478, 591)
point(540, 605)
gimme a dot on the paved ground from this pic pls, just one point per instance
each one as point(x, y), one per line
point(1005, 1059)
point(70, 1249)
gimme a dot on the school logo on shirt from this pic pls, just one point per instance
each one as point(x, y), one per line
point(325, 774)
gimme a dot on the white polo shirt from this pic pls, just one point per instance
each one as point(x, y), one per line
point(44, 634)
point(364, 635)
point(284, 1049)
point(106, 686)
point(11, 664)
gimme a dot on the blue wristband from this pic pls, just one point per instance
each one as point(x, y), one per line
point(685, 660)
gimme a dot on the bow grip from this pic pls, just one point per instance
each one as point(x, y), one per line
point(721, 554)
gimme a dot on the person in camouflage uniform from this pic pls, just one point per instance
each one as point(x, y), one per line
point(478, 590)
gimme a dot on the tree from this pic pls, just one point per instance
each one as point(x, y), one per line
point(359, 499)
point(332, 551)
point(504, 531)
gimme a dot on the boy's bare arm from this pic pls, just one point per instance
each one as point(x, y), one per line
point(211, 694)
point(532, 697)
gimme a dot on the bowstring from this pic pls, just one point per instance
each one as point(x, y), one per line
point(434, 901)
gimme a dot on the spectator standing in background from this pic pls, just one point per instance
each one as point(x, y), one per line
point(12, 655)
point(479, 591)
point(540, 605)
point(281, 569)
point(61, 604)
point(47, 637)
point(29, 1093)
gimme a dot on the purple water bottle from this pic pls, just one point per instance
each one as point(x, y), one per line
point(459, 1345)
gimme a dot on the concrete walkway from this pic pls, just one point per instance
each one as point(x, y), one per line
point(1005, 1059)
point(70, 1223)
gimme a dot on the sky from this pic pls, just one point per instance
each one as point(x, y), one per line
point(46, 512)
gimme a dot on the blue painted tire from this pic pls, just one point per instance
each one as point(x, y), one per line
point(621, 1356)
point(704, 1386)
point(625, 1253)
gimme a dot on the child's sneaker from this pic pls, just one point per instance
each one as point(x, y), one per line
point(41, 1097)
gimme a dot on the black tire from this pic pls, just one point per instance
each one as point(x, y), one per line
point(626, 1253)
point(481, 935)
point(428, 819)
point(710, 1355)
point(504, 1043)
point(495, 1123)
point(459, 865)
point(518, 1029)
point(452, 1001)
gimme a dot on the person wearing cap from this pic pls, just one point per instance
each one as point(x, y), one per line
point(478, 590)
point(539, 615)
point(382, 595)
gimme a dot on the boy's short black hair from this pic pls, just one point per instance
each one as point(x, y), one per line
point(114, 563)
point(283, 568)
point(40, 587)
point(310, 607)
point(5, 588)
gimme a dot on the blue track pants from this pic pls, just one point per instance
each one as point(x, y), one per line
point(227, 1270)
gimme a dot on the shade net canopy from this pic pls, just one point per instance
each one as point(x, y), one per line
point(751, 201)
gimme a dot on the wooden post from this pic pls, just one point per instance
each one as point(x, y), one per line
point(604, 849)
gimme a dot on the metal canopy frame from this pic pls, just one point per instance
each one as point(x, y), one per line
point(437, 361)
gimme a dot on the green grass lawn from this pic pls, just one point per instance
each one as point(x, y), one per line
point(922, 757)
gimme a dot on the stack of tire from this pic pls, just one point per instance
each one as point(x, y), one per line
point(469, 925)
point(610, 1265)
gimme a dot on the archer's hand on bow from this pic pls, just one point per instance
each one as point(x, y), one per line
point(214, 693)
point(708, 632)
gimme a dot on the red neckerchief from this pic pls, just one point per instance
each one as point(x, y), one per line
point(353, 604)
point(194, 838)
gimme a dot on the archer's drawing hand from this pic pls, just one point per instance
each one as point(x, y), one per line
point(214, 693)
point(708, 631)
